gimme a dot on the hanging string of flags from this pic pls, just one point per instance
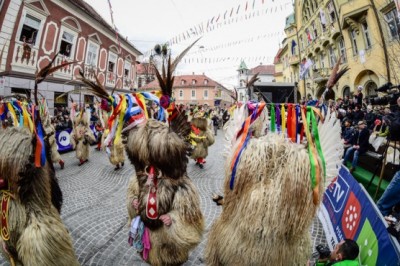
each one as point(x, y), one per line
point(220, 20)
point(208, 60)
point(238, 42)
point(230, 16)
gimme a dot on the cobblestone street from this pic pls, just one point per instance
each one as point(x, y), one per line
point(95, 214)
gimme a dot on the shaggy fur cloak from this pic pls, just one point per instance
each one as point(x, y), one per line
point(81, 137)
point(155, 144)
point(117, 150)
point(204, 138)
point(266, 217)
point(37, 235)
point(50, 133)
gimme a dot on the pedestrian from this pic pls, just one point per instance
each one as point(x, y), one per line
point(215, 120)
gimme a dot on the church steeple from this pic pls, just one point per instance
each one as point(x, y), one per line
point(243, 66)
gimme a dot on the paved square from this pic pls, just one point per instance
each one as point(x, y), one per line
point(95, 214)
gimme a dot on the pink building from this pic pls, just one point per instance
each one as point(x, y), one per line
point(34, 31)
point(197, 89)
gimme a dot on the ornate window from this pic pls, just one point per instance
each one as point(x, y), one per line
point(393, 23)
point(112, 62)
point(353, 38)
point(332, 60)
point(342, 50)
point(92, 54)
point(322, 60)
point(67, 42)
point(30, 29)
point(366, 35)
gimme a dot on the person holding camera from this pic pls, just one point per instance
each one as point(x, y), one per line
point(345, 254)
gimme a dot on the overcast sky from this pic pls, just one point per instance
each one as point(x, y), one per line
point(253, 34)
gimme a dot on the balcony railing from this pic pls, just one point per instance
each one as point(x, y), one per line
point(320, 74)
point(25, 59)
point(65, 72)
point(110, 79)
point(90, 72)
point(127, 84)
point(294, 60)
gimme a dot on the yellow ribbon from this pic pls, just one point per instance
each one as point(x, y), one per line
point(120, 120)
point(13, 115)
point(283, 118)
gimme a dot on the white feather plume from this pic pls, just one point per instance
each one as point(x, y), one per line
point(232, 127)
point(331, 144)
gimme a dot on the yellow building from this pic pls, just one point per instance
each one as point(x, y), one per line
point(365, 33)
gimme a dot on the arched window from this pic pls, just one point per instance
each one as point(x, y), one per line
point(346, 91)
point(370, 89)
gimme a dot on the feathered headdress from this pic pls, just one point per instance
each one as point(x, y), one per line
point(166, 78)
point(336, 74)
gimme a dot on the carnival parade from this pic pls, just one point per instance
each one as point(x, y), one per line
point(113, 156)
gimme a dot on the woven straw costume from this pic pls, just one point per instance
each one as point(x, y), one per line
point(269, 198)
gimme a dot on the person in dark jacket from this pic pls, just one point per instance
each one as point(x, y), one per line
point(360, 145)
point(370, 117)
point(348, 133)
point(358, 115)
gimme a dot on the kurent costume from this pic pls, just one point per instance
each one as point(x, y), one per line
point(202, 137)
point(115, 151)
point(163, 204)
point(32, 232)
point(51, 135)
point(269, 198)
point(81, 135)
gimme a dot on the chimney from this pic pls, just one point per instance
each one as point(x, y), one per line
point(193, 73)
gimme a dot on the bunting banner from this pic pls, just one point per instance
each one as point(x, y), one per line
point(223, 19)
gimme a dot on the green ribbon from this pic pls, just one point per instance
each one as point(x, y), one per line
point(317, 141)
point(273, 118)
point(310, 152)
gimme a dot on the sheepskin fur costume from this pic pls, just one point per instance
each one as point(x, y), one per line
point(155, 144)
point(50, 133)
point(37, 235)
point(117, 150)
point(203, 139)
point(266, 217)
point(81, 137)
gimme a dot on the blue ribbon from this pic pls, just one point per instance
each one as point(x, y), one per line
point(40, 133)
point(278, 118)
point(232, 181)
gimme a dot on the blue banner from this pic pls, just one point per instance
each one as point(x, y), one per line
point(63, 139)
point(347, 211)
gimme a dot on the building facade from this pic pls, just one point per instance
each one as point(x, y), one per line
point(34, 31)
point(266, 74)
point(364, 33)
point(196, 90)
point(145, 74)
